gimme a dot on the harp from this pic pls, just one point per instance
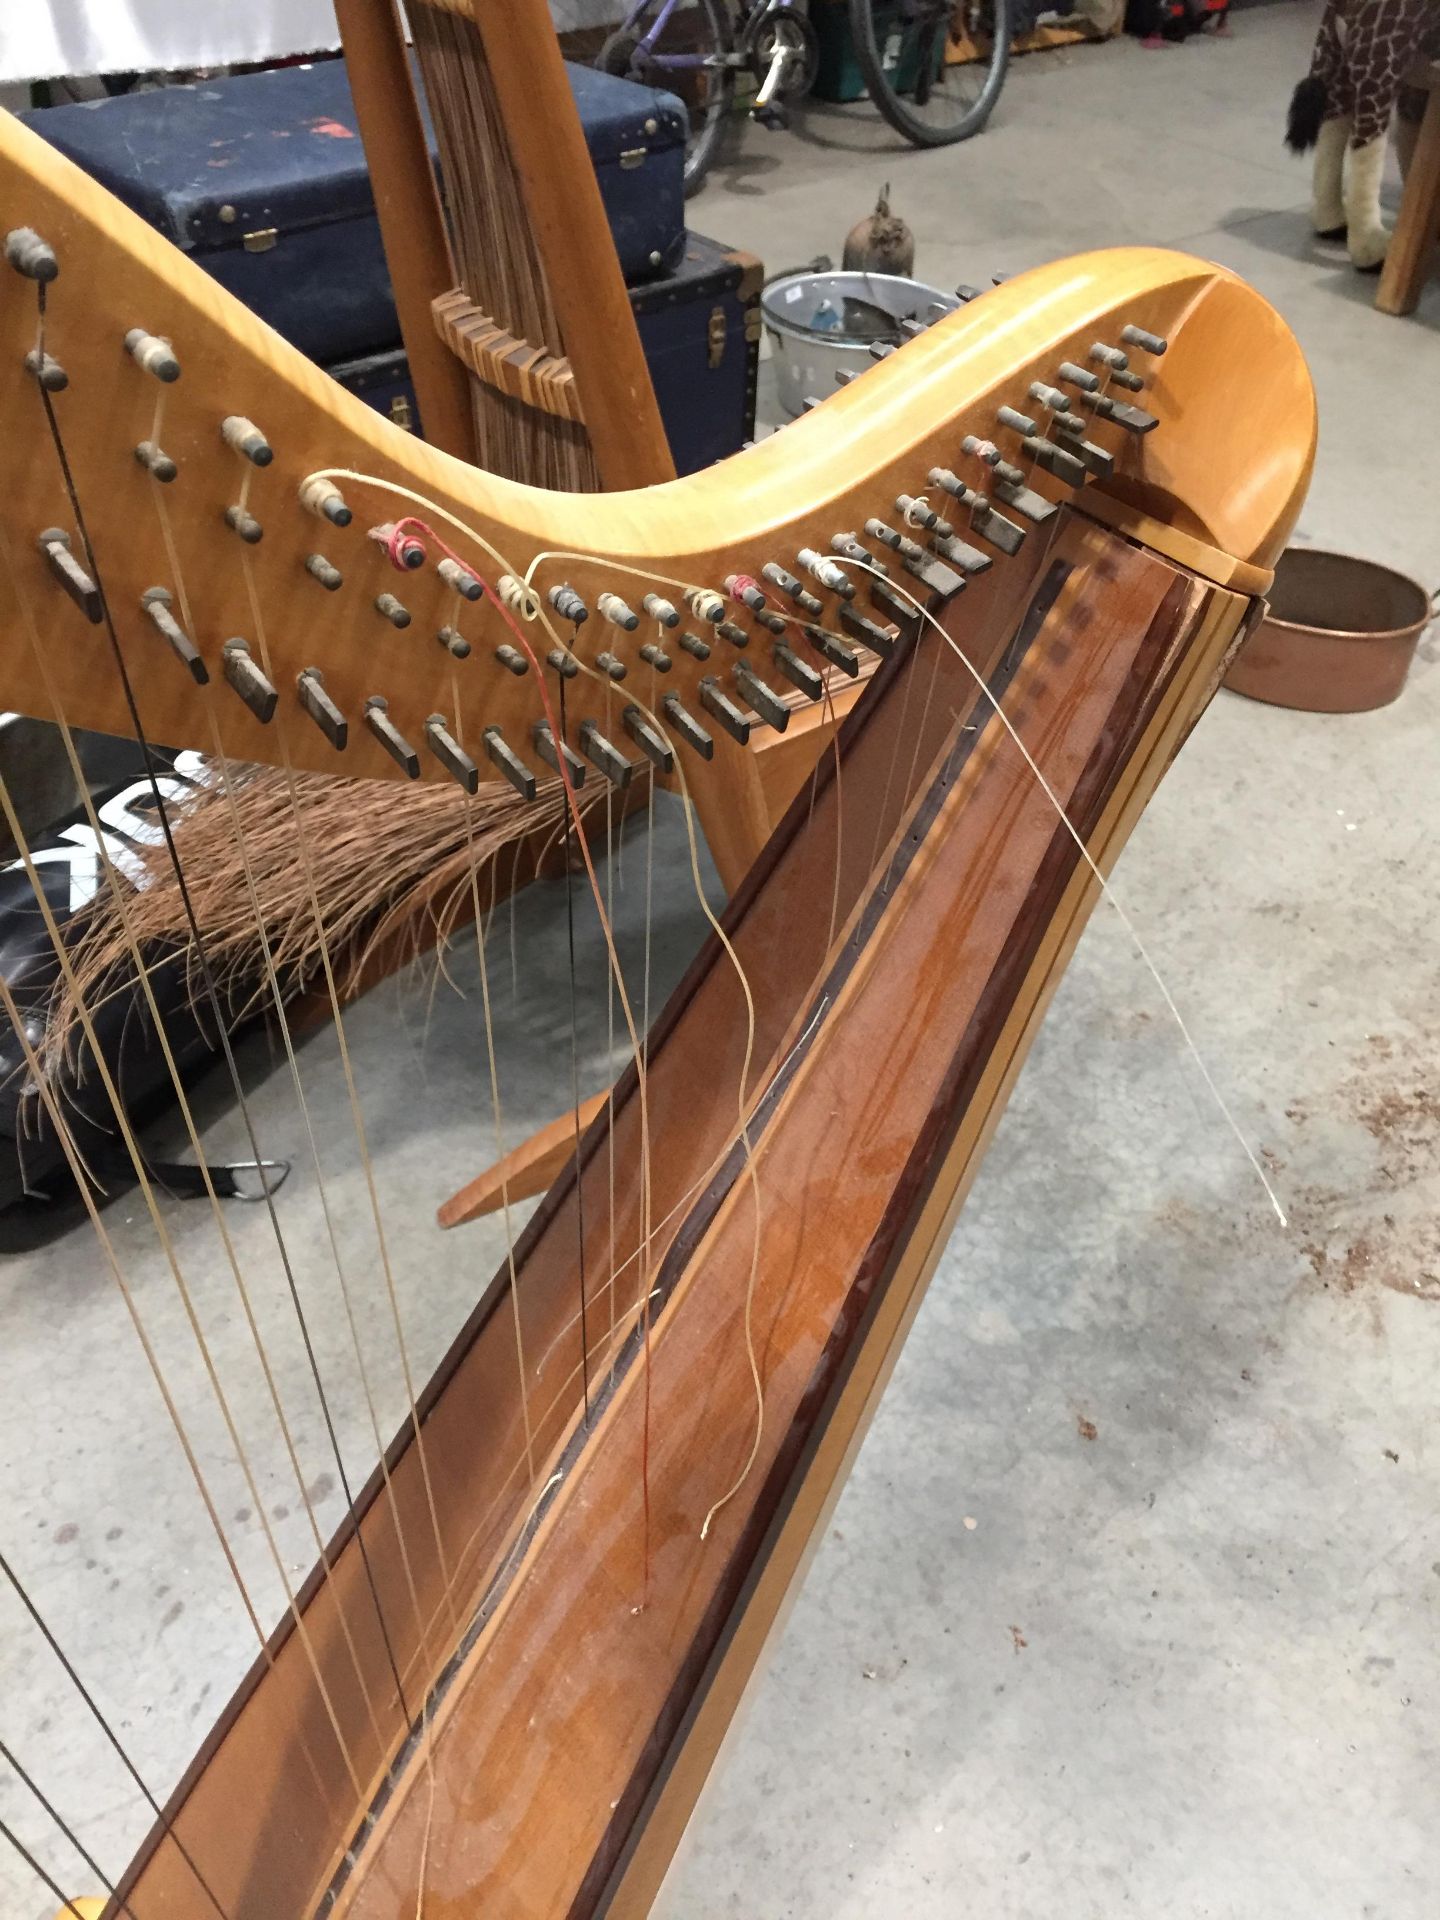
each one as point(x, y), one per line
point(502, 1685)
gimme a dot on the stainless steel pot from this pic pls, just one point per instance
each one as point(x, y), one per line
point(811, 340)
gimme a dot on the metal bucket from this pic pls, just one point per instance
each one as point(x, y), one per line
point(1338, 638)
point(810, 338)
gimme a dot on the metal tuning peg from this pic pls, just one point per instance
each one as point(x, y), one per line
point(377, 719)
point(454, 642)
point(736, 635)
point(1150, 343)
point(1117, 367)
point(1050, 398)
point(47, 370)
point(324, 499)
point(460, 578)
point(608, 663)
point(248, 681)
point(791, 587)
point(509, 763)
point(389, 608)
point(705, 604)
point(247, 440)
point(553, 752)
point(692, 644)
point(156, 462)
point(565, 664)
point(319, 568)
point(152, 355)
point(655, 657)
point(770, 706)
point(322, 709)
point(1016, 421)
point(720, 707)
point(568, 604)
point(1080, 377)
point(512, 659)
point(31, 256)
point(834, 649)
point(601, 753)
point(834, 579)
point(662, 610)
point(743, 589)
point(614, 609)
point(157, 602)
point(687, 726)
point(451, 755)
point(241, 521)
point(54, 543)
point(798, 672)
point(647, 739)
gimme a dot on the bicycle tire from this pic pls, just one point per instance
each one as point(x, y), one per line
point(890, 101)
point(621, 55)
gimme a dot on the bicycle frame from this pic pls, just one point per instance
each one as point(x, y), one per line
point(737, 56)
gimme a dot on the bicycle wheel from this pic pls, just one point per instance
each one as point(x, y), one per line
point(900, 46)
point(689, 56)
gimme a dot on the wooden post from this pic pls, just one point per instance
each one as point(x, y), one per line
point(1408, 256)
point(412, 221)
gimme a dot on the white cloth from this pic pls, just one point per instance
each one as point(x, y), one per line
point(44, 39)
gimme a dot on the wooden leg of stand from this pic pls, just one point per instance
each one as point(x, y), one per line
point(524, 1172)
point(1408, 256)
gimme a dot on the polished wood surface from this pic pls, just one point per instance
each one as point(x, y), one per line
point(407, 203)
point(577, 1634)
point(1412, 244)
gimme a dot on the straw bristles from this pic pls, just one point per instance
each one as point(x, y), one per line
point(390, 868)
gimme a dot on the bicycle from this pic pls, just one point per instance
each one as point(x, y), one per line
point(698, 47)
point(901, 48)
point(707, 47)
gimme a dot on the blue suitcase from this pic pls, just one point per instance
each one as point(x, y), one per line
point(262, 179)
point(700, 329)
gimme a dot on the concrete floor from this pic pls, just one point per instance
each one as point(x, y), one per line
point(1131, 1603)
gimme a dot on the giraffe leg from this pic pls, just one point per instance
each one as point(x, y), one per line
point(1367, 234)
point(1327, 208)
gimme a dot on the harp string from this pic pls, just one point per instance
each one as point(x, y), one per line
point(575, 1086)
point(182, 1285)
point(63, 1824)
point(1106, 889)
point(142, 976)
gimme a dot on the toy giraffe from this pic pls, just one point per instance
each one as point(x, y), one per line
point(1343, 108)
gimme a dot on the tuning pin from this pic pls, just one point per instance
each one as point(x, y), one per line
point(47, 370)
point(389, 608)
point(705, 604)
point(771, 706)
point(614, 609)
point(717, 703)
point(30, 255)
point(451, 755)
point(1150, 343)
point(54, 543)
point(553, 752)
point(512, 659)
point(156, 461)
point(986, 450)
point(608, 758)
point(662, 610)
point(152, 355)
point(1051, 398)
point(1065, 466)
point(568, 604)
point(1117, 367)
point(248, 681)
point(877, 530)
point(1016, 421)
point(687, 726)
point(737, 636)
point(454, 643)
point(509, 763)
point(1080, 377)
point(741, 587)
point(246, 438)
point(692, 644)
point(241, 521)
point(833, 578)
point(515, 597)
point(798, 672)
point(656, 657)
point(405, 551)
point(833, 649)
point(771, 622)
point(157, 602)
point(324, 499)
point(379, 723)
point(456, 576)
point(919, 513)
point(322, 709)
point(319, 568)
point(790, 587)
point(608, 663)
point(565, 664)
point(647, 739)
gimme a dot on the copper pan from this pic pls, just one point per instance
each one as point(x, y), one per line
point(1339, 635)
